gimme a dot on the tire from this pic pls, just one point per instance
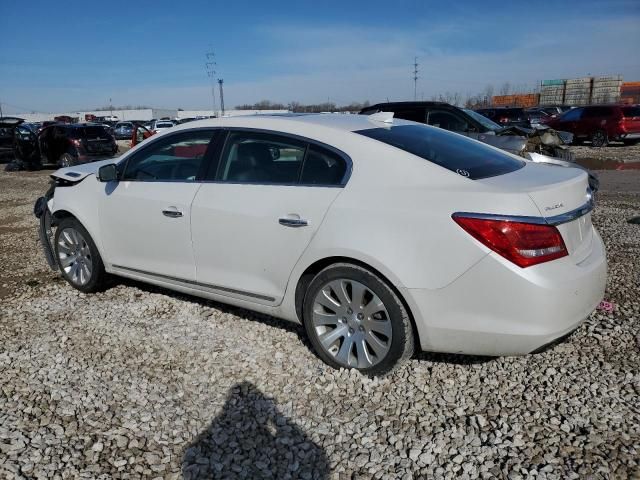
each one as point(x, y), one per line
point(347, 333)
point(66, 160)
point(599, 139)
point(78, 258)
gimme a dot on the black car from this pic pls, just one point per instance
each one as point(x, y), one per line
point(71, 144)
point(459, 120)
point(506, 116)
point(7, 128)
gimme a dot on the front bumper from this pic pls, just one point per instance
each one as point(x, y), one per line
point(45, 234)
point(499, 309)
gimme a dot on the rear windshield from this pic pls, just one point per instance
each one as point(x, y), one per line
point(631, 111)
point(454, 152)
point(88, 132)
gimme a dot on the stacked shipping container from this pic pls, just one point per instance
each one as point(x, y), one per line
point(606, 89)
point(517, 100)
point(630, 92)
point(578, 91)
point(552, 92)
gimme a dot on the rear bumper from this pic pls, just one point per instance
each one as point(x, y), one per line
point(497, 308)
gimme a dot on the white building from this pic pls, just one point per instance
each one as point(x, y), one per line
point(142, 114)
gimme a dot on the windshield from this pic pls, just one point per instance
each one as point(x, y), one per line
point(484, 121)
point(454, 152)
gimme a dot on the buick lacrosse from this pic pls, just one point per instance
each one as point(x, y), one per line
point(379, 235)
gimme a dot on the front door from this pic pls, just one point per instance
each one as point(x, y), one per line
point(251, 224)
point(145, 217)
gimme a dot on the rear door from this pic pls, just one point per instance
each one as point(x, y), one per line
point(265, 200)
point(145, 218)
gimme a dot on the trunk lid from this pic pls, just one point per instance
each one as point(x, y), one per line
point(562, 196)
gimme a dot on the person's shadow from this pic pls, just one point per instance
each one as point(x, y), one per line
point(251, 439)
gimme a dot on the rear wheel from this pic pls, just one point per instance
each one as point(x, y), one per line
point(355, 320)
point(599, 139)
point(78, 258)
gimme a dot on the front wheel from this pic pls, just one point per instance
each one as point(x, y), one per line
point(78, 258)
point(355, 320)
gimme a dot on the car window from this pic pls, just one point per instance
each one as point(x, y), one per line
point(174, 158)
point(454, 152)
point(252, 157)
point(631, 111)
point(322, 167)
point(572, 115)
point(447, 120)
point(594, 112)
point(415, 115)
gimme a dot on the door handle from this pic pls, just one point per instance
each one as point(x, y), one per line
point(293, 222)
point(172, 212)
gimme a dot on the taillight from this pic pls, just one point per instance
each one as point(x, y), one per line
point(524, 244)
point(77, 142)
point(503, 120)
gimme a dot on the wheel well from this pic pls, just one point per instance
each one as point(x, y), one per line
point(60, 214)
point(315, 268)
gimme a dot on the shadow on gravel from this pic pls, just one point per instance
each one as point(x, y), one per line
point(252, 439)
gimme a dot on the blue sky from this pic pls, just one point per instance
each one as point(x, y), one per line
point(58, 56)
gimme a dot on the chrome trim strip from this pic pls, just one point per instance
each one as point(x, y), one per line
point(198, 285)
point(555, 220)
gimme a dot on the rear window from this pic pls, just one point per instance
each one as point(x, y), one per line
point(454, 152)
point(94, 132)
point(631, 111)
point(164, 125)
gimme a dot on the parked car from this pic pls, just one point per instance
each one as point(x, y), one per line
point(506, 116)
point(123, 130)
point(601, 124)
point(7, 127)
point(537, 118)
point(552, 110)
point(160, 125)
point(516, 140)
point(72, 144)
point(377, 234)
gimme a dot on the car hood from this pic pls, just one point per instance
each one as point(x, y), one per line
point(80, 172)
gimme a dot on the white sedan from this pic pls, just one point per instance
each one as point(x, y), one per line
point(378, 235)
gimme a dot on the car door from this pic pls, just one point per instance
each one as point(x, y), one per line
point(145, 217)
point(266, 199)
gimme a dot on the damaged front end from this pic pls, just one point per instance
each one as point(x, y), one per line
point(45, 228)
point(543, 141)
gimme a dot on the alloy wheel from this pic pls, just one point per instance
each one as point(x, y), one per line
point(352, 323)
point(599, 139)
point(74, 256)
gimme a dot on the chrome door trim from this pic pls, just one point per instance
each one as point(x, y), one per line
point(198, 285)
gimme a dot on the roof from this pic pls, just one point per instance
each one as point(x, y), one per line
point(337, 121)
point(381, 106)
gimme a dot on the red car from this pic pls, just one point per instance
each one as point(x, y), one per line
point(601, 124)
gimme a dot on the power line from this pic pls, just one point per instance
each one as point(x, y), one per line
point(210, 67)
point(415, 78)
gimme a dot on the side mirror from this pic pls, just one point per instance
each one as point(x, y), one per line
point(108, 173)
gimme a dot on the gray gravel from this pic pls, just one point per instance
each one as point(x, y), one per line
point(138, 382)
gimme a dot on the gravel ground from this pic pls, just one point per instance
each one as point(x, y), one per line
point(139, 382)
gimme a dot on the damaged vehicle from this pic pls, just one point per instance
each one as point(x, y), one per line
point(378, 235)
point(542, 145)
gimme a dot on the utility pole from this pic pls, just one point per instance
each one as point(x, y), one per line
point(220, 82)
point(210, 67)
point(111, 109)
point(415, 78)
point(1, 110)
